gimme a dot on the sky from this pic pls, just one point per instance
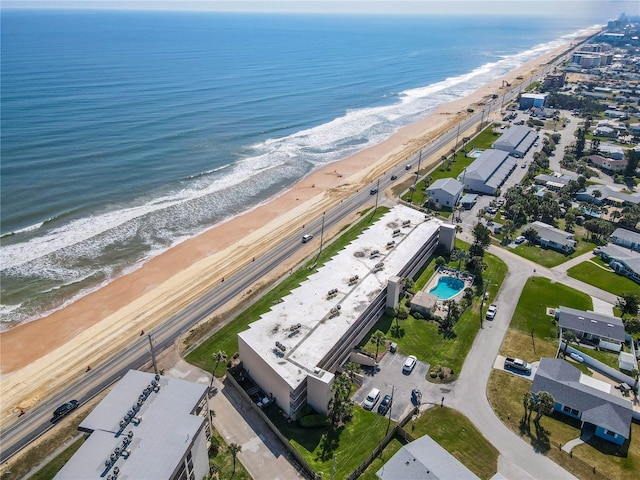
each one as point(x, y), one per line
point(594, 8)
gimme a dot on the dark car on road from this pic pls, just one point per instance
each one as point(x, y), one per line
point(64, 410)
point(385, 405)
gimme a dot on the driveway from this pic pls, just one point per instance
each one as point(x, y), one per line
point(388, 375)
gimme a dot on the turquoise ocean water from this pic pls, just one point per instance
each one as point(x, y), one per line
point(124, 133)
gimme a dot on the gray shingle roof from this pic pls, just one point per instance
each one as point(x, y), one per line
point(552, 234)
point(424, 459)
point(517, 137)
point(562, 380)
point(627, 235)
point(591, 322)
point(449, 185)
point(623, 255)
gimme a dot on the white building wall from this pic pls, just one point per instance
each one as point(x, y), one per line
point(200, 455)
point(319, 391)
point(265, 375)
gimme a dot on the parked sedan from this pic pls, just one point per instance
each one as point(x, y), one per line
point(409, 364)
point(385, 405)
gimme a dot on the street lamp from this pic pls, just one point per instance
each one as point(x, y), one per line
point(393, 389)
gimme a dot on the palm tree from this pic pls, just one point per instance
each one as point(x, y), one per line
point(234, 449)
point(545, 406)
point(378, 339)
point(526, 402)
point(351, 369)
point(219, 356)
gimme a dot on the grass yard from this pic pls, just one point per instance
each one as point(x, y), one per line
point(548, 257)
point(226, 339)
point(351, 443)
point(223, 460)
point(389, 451)
point(539, 293)
point(52, 468)
point(602, 278)
point(457, 435)
point(604, 356)
point(504, 392)
point(422, 338)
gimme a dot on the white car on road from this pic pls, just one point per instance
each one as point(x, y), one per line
point(491, 312)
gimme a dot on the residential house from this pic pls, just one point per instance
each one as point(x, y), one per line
point(608, 164)
point(555, 181)
point(626, 238)
point(147, 426)
point(622, 260)
point(582, 397)
point(552, 237)
point(488, 172)
point(605, 131)
point(424, 459)
point(607, 195)
point(616, 114)
point(517, 140)
point(605, 331)
point(612, 151)
point(445, 191)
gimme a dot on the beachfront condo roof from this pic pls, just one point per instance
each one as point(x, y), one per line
point(297, 333)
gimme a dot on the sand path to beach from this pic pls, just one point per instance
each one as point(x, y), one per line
point(40, 357)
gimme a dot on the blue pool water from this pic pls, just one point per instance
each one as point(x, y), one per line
point(447, 287)
point(475, 153)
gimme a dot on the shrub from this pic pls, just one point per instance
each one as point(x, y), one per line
point(418, 315)
point(306, 410)
point(314, 421)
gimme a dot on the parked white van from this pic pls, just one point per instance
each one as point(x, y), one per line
point(372, 399)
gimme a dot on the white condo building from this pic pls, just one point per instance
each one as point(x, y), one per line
point(148, 426)
point(293, 351)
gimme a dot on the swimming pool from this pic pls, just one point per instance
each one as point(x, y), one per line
point(475, 153)
point(447, 287)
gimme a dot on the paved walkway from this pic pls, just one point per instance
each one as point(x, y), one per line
point(567, 447)
point(263, 455)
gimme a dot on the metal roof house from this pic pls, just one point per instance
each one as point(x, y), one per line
point(488, 172)
point(148, 426)
point(604, 330)
point(445, 191)
point(424, 459)
point(607, 195)
point(622, 260)
point(517, 140)
point(585, 398)
point(626, 238)
point(552, 237)
point(293, 351)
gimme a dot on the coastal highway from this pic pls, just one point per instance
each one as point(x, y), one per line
point(26, 428)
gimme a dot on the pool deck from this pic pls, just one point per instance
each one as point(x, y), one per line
point(468, 279)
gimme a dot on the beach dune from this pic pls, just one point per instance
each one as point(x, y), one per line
point(42, 356)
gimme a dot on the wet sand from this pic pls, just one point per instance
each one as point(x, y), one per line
point(101, 323)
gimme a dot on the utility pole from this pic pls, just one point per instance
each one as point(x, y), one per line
point(457, 135)
point(393, 389)
point(153, 355)
point(419, 160)
point(321, 233)
point(535, 321)
point(484, 293)
point(377, 193)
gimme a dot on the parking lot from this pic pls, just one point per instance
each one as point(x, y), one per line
point(388, 375)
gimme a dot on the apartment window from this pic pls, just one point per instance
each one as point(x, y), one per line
point(610, 433)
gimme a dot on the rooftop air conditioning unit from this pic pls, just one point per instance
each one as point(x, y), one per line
point(136, 420)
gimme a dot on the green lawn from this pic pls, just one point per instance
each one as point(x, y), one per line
point(389, 451)
point(226, 339)
point(456, 434)
point(52, 468)
point(223, 460)
point(421, 337)
point(548, 257)
point(351, 443)
point(602, 278)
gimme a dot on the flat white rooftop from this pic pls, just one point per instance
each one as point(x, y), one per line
point(309, 305)
point(159, 441)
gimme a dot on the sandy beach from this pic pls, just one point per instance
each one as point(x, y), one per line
point(101, 323)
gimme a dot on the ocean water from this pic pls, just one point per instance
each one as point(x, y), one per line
point(124, 133)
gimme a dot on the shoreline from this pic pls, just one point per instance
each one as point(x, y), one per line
point(100, 323)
